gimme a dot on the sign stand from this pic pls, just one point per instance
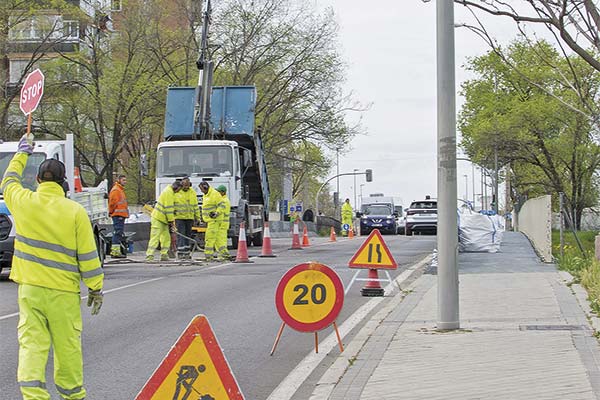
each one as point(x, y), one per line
point(337, 334)
point(309, 297)
point(355, 278)
point(373, 255)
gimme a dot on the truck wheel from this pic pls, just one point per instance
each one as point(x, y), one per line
point(100, 246)
point(257, 240)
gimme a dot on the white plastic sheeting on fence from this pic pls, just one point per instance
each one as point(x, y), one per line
point(479, 233)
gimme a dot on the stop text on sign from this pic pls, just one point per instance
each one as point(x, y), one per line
point(31, 92)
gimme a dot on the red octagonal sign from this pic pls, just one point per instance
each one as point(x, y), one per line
point(31, 92)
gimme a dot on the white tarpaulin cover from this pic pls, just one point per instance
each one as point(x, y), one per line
point(479, 233)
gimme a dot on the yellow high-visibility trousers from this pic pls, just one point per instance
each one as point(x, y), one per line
point(211, 237)
point(221, 244)
point(49, 316)
point(159, 233)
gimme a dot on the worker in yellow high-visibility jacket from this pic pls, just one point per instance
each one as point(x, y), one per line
point(210, 215)
point(187, 212)
point(347, 215)
point(223, 208)
point(54, 249)
point(162, 222)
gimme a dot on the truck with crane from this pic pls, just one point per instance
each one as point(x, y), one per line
point(210, 135)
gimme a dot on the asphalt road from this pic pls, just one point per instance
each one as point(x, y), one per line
point(147, 306)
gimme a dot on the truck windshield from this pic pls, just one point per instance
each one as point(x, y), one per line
point(30, 172)
point(377, 209)
point(195, 161)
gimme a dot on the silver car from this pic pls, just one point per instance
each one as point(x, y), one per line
point(421, 216)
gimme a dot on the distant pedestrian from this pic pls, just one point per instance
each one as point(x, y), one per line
point(118, 211)
point(187, 212)
point(54, 250)
point(162, 222)
point(347, 215)
point(223, 208)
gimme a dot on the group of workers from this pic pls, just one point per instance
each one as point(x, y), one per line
point(175, 213)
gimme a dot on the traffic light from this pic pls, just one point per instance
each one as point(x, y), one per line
point(143, 165)
point(336, 199)
point(369, 174)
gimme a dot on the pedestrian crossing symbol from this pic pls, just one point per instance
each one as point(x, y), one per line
point(195, 368)
point(373, 253)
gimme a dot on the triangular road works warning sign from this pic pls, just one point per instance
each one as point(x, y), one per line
point(373, 253)
point(195, 368)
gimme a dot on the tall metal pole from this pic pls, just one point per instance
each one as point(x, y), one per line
point(337, 189)
point(355, 206)
point(497, 200)
point(466, 187)
point(447, 240)
point(473, 180)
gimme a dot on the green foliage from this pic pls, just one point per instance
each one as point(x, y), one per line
point(520, 106)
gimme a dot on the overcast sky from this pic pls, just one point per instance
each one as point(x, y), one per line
point(390, 48)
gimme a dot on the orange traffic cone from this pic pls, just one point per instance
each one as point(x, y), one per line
point(351, 233)
point(242, 251)
point(332, 235)
point(267, 251)
point(305, 241)
point(296, 238)
point(372, 288)
point(77, 180)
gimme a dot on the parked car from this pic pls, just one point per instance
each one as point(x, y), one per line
point(421, 216)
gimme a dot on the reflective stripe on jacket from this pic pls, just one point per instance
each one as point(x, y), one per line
point(186, 205)
point(117, 201)
point(164, 210)
point(54, 244)
point(224, 208)
point(209, 204)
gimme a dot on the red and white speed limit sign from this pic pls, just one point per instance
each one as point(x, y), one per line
point(31, 92)
point(309, 297)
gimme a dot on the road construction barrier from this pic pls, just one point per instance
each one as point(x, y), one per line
point(267, 250)
point(242, 251)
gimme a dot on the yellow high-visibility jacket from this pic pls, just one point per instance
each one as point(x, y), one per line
point(209, 204)
point(347, 212)
point(164, 210)
point(186, 205)
point(54, 244)
point(224, 208)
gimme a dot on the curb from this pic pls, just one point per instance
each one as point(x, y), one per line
point(582, 298)
point(334, 374)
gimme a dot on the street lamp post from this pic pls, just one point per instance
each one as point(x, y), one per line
point(355, 207)
point(447, 241)
point(361, 194)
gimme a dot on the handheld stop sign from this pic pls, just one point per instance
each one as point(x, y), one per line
point(309, 297)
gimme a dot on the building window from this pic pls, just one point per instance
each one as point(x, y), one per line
point(71, 29)
point(115, 5)
point(36, 28)
point(17, 68)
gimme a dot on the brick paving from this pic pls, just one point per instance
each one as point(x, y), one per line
point(523, 336)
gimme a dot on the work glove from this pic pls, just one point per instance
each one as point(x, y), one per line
point(25, 146)
point(172, 228)
point(95, 298)
point(213, 214)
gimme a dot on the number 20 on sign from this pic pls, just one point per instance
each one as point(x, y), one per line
point(309, 297)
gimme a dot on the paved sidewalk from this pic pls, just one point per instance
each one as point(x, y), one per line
point(523, 336)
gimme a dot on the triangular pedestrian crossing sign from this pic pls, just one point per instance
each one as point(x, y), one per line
point(195, 368)
point(373, 253)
